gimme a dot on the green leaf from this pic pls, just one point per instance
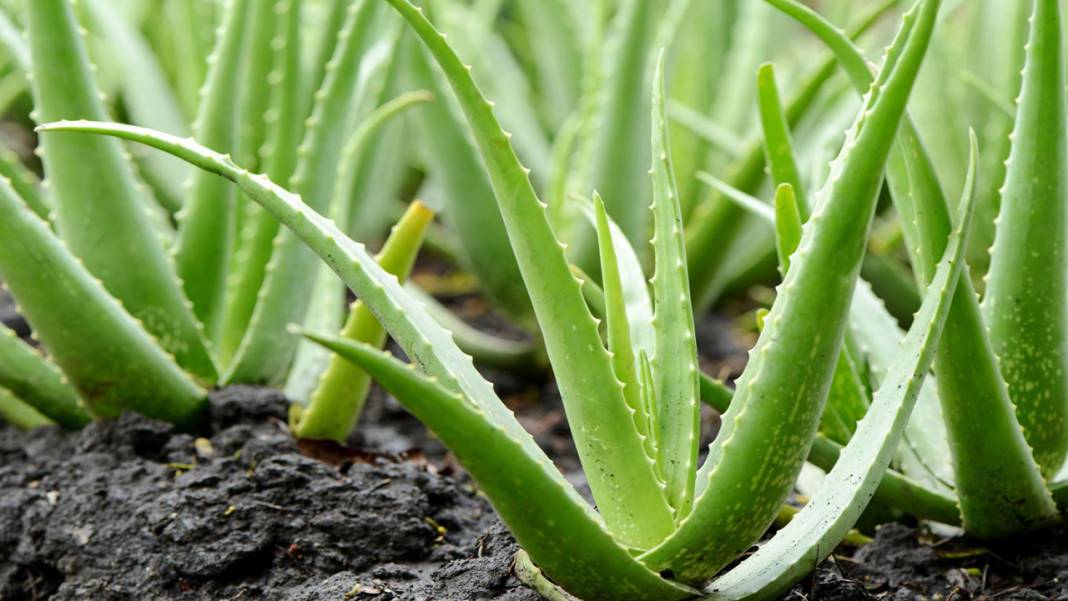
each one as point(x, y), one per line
point(27, 375)
point(894, 490)
point(812, 535)
point(617, 152)
point(146, 94)
point(558, 530)
point(788, 222)
point(107, 355)
point(326, 310)
point(617, 322)
point(1001, 489)
point(1024, 305)
point(623, 482)
point(335, 403)
point(715, 230)
point(778, 142)
point(89, 177)
point(470, 205)
point(675, 358)
point(207, 222)
point(25, 183)
point(773, 418)
point(279, 157)
point(20, 414)
point(266, 350)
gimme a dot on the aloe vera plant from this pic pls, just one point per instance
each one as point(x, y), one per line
point(169, 310)
point(999, 368)
point(664, 526)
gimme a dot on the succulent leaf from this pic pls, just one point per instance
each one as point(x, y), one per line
point(279, 157)
point(470, 205)
point(88, 178)
point(106, 354)
point(773, 417)
point(827, 517)
point(266, 350)
point(1000, 486)
point(326, 310)
point(20, 414)
point(207, 224)
point(335, 403)
point(675, 357)
point(624, 482)
point(1027, 284)
point(27, 375)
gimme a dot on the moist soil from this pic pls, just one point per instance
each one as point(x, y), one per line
point(131, 509)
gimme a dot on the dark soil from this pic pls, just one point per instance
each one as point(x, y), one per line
point(904, 563)
point(130, 509)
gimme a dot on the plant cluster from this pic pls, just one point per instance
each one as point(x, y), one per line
point(961, 420)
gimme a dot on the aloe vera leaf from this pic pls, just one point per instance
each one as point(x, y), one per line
point(256, 87)
point(573, 172)
point(1000, 486)
point(926, 455)
point(778, 142)
point(540, 508)
point(146, 94)
point(1024, 306)
point(29, 376)
point(557, 57)
point(531, 575)
point(513, 356)
point(605, 569)
point(750, 203)
point(617, 150)
point(279, 158)
point(895, 489)
point(827, 517)
point(711, 132)
point(107, 355)
point(14, 42)
point(618, 327)
point(206, 223)
point(675, 357)
point(501, 74)
point(715, 227)
point(621, 481)
point(377, 183)
point(788, 222)
point(326, 310)
point(328, 34)
point(847, 400)
point(335, 404)
point(645, 511)
point(1001, 65)
point(773, 418)
point(88, 178)
point(470, 205)
point(25, 183)
point(190, 30)
point(266, 350)
point(895, 284)
point(20, 414)
point(698, 44)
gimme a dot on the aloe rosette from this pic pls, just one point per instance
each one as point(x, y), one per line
point(166, 309)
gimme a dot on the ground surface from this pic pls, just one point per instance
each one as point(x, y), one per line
point(131, 510)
